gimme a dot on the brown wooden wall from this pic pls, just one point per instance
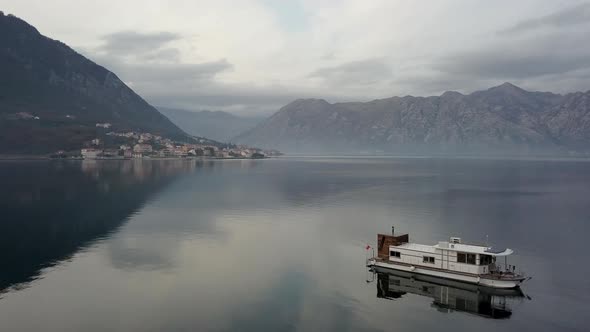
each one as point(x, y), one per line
point(384, 241)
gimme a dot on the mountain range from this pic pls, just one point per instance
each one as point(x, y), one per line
point(51, 97)
point(504, 118)
point(216, 125)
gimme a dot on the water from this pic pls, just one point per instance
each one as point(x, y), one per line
point(279, 245)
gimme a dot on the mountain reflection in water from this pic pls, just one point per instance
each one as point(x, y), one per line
point(448, 296)
point(50, 211)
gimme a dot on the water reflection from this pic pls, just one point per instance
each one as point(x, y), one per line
point(280, 244)
point(448, 296)
point(52, 210)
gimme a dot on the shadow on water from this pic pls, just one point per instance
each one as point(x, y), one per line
point(448, 296)
point(52, 210)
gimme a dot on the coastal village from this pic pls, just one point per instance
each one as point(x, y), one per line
point(148, 145)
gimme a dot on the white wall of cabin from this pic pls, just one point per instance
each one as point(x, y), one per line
point(416, 258)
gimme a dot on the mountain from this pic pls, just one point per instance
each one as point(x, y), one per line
point(505, 118)
point(218, 125)
point(52, 97)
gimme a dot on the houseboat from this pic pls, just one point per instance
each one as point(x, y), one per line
point(454, 260)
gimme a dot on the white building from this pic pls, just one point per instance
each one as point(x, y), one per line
point(222, 154)
point(145, 137)
point(142, 148)
point(105, 125)
point(90, 153)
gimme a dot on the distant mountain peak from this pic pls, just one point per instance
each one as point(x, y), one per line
point(310, 101)
point(507, 87)
point(452, 94)
point(308, 105)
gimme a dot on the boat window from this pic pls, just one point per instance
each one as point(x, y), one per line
point(466, 258)
point(485, 259)
point(394, 254)
point(428, 259)
point(461, 258)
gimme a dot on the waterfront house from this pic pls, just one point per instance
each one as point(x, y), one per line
point(90, 153)
point(142, 148)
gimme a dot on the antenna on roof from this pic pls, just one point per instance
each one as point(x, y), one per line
point(392, 230)
point(487, 241)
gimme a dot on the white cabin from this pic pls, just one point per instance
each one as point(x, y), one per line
point(453, 256)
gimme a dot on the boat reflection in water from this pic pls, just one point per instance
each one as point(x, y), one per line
point(448, 295)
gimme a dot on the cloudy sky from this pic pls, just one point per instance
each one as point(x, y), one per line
point(253, 56)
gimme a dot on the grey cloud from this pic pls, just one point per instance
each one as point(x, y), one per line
point(521, 58)
point(163, 55)
point(175, 72)
point(570, 16)
point(574, 81)
point(152, 61)
point(500, 64)
point(130, 42)
point(549, 60)
point(161, 73)
point(221, 98)
point(192, 86)
point(356, 72)
point(242, 99)
point(435, 84)
point(151, 68)
point(328, 56)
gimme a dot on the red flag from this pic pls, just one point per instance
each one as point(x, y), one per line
point(368, 247)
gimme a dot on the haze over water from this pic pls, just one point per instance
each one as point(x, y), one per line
point(278, 244)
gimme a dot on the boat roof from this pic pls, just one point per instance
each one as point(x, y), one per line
point(417, 247)
point(462, 247)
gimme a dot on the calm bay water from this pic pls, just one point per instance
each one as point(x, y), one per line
point(280, 244)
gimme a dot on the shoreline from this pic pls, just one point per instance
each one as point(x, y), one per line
point(23, 157)
point(46, 157)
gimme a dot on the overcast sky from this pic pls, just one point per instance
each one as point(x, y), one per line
point(253, 56)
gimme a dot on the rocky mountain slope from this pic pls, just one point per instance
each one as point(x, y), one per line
point(51, 97)
point(217, 125)
point(505, 118)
